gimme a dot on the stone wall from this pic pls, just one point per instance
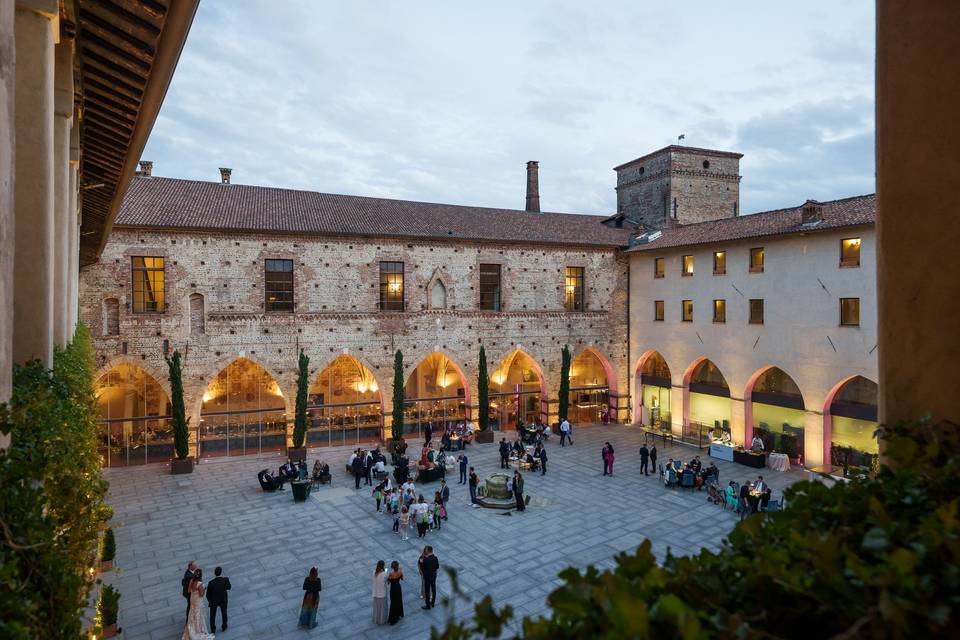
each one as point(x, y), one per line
point(336, 292)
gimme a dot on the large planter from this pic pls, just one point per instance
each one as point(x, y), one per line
point(483, 437)
point(106, 565)
point(301, 490)
point(110, 630)
point(296, 454)
point(178, 467)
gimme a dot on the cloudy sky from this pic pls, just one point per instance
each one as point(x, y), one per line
point(446, 101)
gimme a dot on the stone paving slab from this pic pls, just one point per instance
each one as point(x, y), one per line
point(266, 543)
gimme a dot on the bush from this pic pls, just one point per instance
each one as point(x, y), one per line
point(108, 606)
point(109, 550)
point(397, 426)
point(564, 399)
point(869, 558)
point(483, 391)
point(790, 445)
point(51, 501)
point(300, 417)
point(181, 433)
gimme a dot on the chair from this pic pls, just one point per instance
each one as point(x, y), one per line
point(266, 482)
point(687, 480)
point(671, 478)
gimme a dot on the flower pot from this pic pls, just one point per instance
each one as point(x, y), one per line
point(296, 454)
point(110, 630)
point(178, 467)
point(301, 490)
point(106, 565)
point(483, 437)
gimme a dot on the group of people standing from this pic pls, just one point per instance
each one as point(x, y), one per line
point(364, 464)
point(389, 582)
point(195, 591)
point(405, 507)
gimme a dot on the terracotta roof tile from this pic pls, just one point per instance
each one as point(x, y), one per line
point(189, 204)
point(857, 210)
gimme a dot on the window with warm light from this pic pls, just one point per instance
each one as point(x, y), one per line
point(278, 285)
point(756, 312)
point(756, 260)
point(490, 287)
point(849, 312)
point(719, 263)
point(658, 267)
point(687, 310)
point(658, 310)
point(148, 285)
point(573, 290)
point(719, 311)
point(391, 286)
point(687, 266)
point(850, 252)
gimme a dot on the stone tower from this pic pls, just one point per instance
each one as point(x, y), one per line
point(679, 185)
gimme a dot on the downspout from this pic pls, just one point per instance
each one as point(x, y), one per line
point(629, 388)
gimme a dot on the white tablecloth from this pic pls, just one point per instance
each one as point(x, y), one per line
point(721, 451)
point(778, 462)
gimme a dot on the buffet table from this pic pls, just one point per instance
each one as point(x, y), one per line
point(721, 451)
point(750, 459)
point(778, 462)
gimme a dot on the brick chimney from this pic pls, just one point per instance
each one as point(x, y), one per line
point(812, 213)
point(146, 168)
point(225, 175)
point(533, 186)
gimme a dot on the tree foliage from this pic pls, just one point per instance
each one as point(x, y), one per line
point(870, 558)
point(300, 415)
point(564, 384)
point(181, 433)
point(397, 426)
point(51, 495)
point(483, 391)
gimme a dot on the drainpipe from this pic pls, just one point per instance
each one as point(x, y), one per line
point(629, 388)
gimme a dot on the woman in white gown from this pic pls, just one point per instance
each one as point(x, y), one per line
point(196, 628)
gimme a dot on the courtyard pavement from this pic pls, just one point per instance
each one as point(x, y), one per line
point(266, 543)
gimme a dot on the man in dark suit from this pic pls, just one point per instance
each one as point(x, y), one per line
point(518, 491)
point(504, 454)
point(644, 460)
point(543, 461)
point(217, 599)
point(430, 567)
point(444, 496)
point(185, 583)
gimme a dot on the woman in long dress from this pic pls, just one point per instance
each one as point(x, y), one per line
point(396, 593)
point(311, 600)
point(198, 618)
point(380, 593)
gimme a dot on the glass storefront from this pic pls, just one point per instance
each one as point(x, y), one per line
point(589, 393)
point(134, 418)
point(655, 392)
point(778, 413)
point(515, 392)
point(243, 413)
point(853, 417)
point(435, 395)
point(709, 402)
point(344, 405)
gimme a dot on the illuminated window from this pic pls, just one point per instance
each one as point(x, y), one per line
point(391, 286)
point(687, 310)
point(148, 295)
point(490, 287)
point(756, 312)
point(720, 311)
point(658, 310)
point(687, 266)
point(756, 260)
point(573, 299)
point(278, 285)
point(850, 312)
point(719, 263)
point(850, 252)
point(658, 267)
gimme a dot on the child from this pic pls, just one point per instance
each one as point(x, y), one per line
point(437, 506)
point(378, 495)
point(396, 513)
point(404, 521)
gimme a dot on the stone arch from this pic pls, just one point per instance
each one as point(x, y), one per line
point(688, 378)
point(748, 399)
point(212, 369)
point(161, 375)
point(503, 367)
point(828, 414)
point(365, 385)
point(438, 278)
point(433, 384)
point(649, 357)
point(610, 377)
point(134, 409)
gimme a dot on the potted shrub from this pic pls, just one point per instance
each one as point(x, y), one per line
point(108, 551)
point(107, 609)
point(182, 462)
point(564, 399)
point(791, 447)
point(298, 451)
point(484, 432)
point(396, 426)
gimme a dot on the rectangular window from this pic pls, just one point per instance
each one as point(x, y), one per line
point(573, 300)
point(687, 310)
point(849, 312)
point(719, 311)
point(148, 290)
point(850, 252)
point(658, 310)
point(658, 267)
point(687, 269)
point(490, 287)
point(719, 263)
point(756, 312)
point(391, 286)
point(756, 260)
point(278, 284)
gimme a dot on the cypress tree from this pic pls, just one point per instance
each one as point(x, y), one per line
point(300, 417)
point(397, 427)
point(564, 384)
point(181, 435)
point(483, 391)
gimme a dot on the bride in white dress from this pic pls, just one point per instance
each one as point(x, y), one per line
point(198, 619)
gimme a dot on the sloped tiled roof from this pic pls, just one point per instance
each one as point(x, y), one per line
point(848, 212)
point(168, 203)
